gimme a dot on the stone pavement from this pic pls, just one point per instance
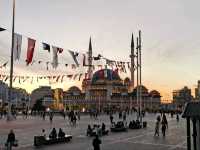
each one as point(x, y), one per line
point(141, 139)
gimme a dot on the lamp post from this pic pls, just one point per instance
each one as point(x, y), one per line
point(9, 116)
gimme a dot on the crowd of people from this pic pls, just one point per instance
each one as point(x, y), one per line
point(97, 130)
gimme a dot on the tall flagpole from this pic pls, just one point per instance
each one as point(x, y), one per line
point(9, 116)
point(140, 64)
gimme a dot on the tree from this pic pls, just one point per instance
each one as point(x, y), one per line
point(38, 106)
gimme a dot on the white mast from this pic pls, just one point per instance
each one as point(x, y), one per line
point(9, 116)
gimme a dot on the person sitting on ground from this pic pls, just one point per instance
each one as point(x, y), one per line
point(89, 130)
point(11, 139)
point(61, 134)
point(53, 134)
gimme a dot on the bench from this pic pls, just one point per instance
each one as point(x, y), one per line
point(114, 129)
point(41, 140)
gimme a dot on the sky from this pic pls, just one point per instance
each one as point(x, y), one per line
point(170, 36)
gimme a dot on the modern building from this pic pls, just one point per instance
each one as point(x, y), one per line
point(4, 89)
point(182, 96)
point(20, 97)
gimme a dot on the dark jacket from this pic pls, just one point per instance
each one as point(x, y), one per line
point(11, 138)
point(96, 143)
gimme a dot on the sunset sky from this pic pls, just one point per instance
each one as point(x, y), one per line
point(170, 32)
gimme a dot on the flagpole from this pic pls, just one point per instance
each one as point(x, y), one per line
point(140, 62)
point(9, 116)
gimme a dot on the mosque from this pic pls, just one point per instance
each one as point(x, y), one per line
point(105, 89)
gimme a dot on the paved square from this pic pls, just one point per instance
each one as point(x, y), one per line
point(141, 139)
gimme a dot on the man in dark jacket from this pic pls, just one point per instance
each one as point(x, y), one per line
point(96, 143)
point(10, 140)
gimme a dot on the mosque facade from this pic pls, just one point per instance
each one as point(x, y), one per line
point(107, 90)
point(104, 89)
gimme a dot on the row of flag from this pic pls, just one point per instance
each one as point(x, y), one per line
point(31, 48)
point(50, 78)
point(56, 51)
point(120, 67)
point(53, 78)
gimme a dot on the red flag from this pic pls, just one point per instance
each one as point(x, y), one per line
point(30, 50)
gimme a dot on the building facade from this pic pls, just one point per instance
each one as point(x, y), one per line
point(104, 89)
point(197, 91)
point(4, 89)
point(20, 97)
point(107, 90)
point(43, 92)
point(182, 96)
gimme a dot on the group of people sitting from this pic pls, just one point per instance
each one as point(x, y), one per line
point(135, 124)
point(54, 134)
point(119, 124)
point(97, 130)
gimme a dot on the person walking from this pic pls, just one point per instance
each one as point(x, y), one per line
point(177, 117)
point(157, 127)
point(51, 117)
point(111, 118)
point(163, 128)
point(11, 140)
point(96, 143)
point(164, 120)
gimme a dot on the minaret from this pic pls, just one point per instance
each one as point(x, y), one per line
point(90, 61)
point(132, 56)
point(89, 72)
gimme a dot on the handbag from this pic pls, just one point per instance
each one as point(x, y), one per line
point(15, 144)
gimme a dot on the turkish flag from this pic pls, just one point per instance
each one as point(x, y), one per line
point(30, 50)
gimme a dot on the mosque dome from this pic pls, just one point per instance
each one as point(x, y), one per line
point(74, 90)
point(144, 90)
point(105, 75)
point(154, 93)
